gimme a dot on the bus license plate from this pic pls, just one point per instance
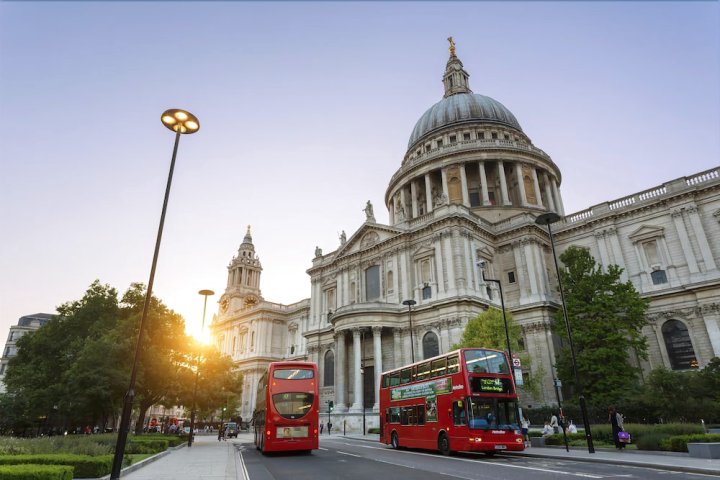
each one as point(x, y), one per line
point(500, 447)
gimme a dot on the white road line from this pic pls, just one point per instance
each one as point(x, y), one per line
point(243, 470)
point(324, 449)
point(349, 454)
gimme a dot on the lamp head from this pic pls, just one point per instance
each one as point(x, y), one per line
point(206, 292)
point(547, 218)
point(180, 121)
point(409, 302)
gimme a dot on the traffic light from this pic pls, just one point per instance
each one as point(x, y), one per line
point(331, 406)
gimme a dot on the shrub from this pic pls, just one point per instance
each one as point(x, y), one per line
point(36, 472)
point(146, 445)
point(373, 430)
point(84, 466)
point(651, 440)
point(679, 443)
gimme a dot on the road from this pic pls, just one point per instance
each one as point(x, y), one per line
point(350, 459)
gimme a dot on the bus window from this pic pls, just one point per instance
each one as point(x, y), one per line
point(394, 415)
point(293, 374)
point(385, 382)
point(438, 368)
point(414, 373)
point(421, 415)
point(453, 365)
point(423, 371)
point(485, 361)
point(405, 375)
point(459, 417)
point(394, 379)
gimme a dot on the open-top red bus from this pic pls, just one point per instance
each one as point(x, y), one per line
point(287, 408)
point(460, 401)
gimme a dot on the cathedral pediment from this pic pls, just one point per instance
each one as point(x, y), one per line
point(646, 232)
point(365, 237)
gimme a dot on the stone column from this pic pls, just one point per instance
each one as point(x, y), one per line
point(464, 186)
point(406, 288)
point(536, 185)
point(483, 184)
point(398, 351)
point(357, 405)
point(450, 261)
point(558, 199)
point(685, 241)
point(439, 266)
point(617, 255)
point(503, 184)
point(602, 248)
point(712, 325)
point(701, 238)
point(377, 347)
point(443, 174)
point(531, 270)
point(413, 198)
point(428, 193)
point(340, 398)
point(548, 193)
point(444, 336)
point(521, 184)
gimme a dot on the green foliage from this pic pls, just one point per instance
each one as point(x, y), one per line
point(74, 371)
point(488, 330)
point(651, 441)
point(606, 317)
point(75, 444)
point(36, 472)
point(373, 430)
point(146, 445)
point(84, 466)
point(679, 443)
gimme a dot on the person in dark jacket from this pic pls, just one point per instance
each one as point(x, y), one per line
point(616, 420)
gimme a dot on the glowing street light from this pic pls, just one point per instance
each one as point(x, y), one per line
point(180, 122)
point(205, 293)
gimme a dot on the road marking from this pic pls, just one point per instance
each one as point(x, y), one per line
point(349, 454)
point(243, 469)
point(320, 448)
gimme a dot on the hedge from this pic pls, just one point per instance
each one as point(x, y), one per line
point(84, 466)
point(679, 442)
point(146, 445)
point(36, 472)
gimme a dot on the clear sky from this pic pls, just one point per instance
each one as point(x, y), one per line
point(305, 111)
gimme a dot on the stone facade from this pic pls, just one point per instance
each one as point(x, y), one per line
point(27, 323)
point(468, 190)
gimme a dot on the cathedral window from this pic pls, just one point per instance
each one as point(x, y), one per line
point(466, 136)
point(390, 281)
point(372, 283)
point(679, 346)
point(480, 135)
point(439, 143)
point(654, 260)
point(506, 136)
point(494, 135)
point(511, 277)
point(453, 139)
point(329, 370)
point(426, 292)
point(430, 345)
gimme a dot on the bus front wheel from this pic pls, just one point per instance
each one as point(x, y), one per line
point(394, 441)
point(444, 444)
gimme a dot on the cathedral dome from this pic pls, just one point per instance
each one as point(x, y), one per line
point(460, 108)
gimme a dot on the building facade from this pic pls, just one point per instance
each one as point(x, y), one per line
point(28, 323)
point(467, 192)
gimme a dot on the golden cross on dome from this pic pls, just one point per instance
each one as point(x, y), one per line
point(452, 46)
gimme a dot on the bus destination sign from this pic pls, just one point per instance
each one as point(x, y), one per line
point(491, 385)
point(425, 389)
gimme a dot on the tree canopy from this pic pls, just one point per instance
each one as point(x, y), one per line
point(75, 369)
point(606, 317)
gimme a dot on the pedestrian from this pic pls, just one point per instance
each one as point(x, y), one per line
point(329, 425)
point(321, 428)
point(554, 424)
point(221, 433)
point(572, 428)
point(525, 423)
point(616, 420)
point(547, 429)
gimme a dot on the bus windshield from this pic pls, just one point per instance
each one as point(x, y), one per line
point(486, 361)
point(293, 405)
point(492, 413)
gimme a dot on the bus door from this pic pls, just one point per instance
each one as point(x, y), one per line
point(459, 417)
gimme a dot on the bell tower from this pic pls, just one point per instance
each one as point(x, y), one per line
point(243, 285)
point(456, 79)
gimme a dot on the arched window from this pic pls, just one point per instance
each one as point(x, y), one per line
point(678, 345)
point(430, 345)
point(329, 368)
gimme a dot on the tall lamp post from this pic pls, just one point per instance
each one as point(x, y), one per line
point(481, 264)
point(409, 304)
point(547, 219)
point(180, 122)
point(204, 293)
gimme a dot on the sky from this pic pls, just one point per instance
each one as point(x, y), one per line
point(305, 112)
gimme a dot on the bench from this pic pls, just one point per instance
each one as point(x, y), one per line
point(704, 450)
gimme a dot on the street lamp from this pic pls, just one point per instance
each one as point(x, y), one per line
point(481, 264)
point(547, 219)
point(180, 122)
point(204, 293)
point(409, 304)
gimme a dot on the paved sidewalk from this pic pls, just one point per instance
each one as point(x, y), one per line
point(209, 459)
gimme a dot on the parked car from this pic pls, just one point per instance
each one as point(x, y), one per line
point(231, 429)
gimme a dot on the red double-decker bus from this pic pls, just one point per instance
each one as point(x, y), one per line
point(460, 401)
point(287, 408)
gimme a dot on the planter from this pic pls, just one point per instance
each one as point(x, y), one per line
point(704, 450)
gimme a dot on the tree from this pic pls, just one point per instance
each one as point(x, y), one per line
point(488, 330)
point(606, 317)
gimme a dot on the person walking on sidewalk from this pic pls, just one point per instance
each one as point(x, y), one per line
point(554, 424)
point(616, 420)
